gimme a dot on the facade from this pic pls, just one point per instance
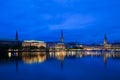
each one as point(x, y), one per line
point(60, 46)
point(93, 47)
point(116, 46)
point(57, 45)
point(50, 46)
point(34, 43)
point(108, 46)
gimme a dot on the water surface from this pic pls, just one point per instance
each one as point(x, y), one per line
point(71, 65)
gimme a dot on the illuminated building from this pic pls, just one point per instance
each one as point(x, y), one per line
point(116, 46)
point(106, 45)
point(61, 45)
point(34, 43)
point(93, 47)
point(57, 45)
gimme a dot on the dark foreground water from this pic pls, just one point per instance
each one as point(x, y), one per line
point(72, 65)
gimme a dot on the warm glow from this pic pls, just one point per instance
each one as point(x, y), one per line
point(9, 54)
point(60, 55)
point(36, 58)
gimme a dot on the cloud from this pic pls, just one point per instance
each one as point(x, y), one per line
point(83, 18)
point(64, 2)
point(75, 21)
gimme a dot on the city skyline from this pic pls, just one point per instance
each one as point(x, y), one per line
point(83, 21)
point(61, 39)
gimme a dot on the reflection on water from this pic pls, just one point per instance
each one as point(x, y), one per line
point(86, 62)
point(9, 54)
point(34, 57)
point(39, 57)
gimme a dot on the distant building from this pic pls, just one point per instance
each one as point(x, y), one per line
point(93, 47)
point(50, 45)
point(105, 41)
point(57, 45)
point(62, 37)
point(116, 46)
point(17, 37)
point(60, 45)
point(106, 45)
point(70, 45)
point(34, 43)
point(11, 43)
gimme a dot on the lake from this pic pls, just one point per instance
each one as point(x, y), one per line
point(62, 65)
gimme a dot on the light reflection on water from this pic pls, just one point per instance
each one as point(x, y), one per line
point(62, 65)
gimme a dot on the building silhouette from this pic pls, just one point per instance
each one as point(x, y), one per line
point(11, 43)
point(106, 45)
point(17, 38)
point(105, 40)
point(61, 37)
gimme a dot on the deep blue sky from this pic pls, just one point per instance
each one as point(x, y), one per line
point(85, 21)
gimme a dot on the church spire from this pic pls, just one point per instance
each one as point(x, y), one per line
point(105, 40)
point(16, 35)
point(62, 37)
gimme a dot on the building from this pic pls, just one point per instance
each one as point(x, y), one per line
point(93, 47)
point(34, 43)
point(106, 45)
point(17, 37)
point(105, 41)
point(70, 45)
point(60, 45)
point(57, 45)
point(116, 46)
point(61, 37)
point(11, 43)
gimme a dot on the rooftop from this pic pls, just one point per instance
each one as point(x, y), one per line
point(33, 41)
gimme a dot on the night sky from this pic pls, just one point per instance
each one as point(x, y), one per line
point(85, 21)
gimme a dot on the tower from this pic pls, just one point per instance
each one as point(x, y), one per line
point(62, 37)
point(105, 40)
point(16, 35)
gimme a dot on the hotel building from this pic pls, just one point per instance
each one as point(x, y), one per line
point(33, 43)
